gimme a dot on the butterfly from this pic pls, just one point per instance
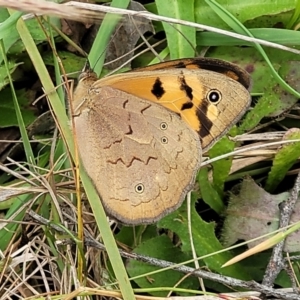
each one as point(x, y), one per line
point(141, 134)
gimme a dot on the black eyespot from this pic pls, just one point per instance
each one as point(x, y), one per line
point(139, 188)
point(163, 125)
point(164, 140)
point(214, 96)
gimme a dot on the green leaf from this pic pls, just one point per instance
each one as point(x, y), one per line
point(133, 236)
point(8, 114)
point(160, 247)
point(267, 104)
point(204, 238)
point(8, 22)
point(72, 62)
point(284, 160)
point(242, 10)
point(208, 193)
point(4, 80)
point(221, 168)
point(181, 39)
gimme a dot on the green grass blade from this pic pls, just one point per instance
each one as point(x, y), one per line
point(285, 37)
point(97, 53)
point(26, 143)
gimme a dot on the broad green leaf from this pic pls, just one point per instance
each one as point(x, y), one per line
point(181, 39)
point(133, 236)
point(286, 156)
point(221, 167)
point(265, 105)
point(204, 238)
point(4, 81)
point(160, 247)
point(242, 10)
point(8, 114)
point(208, 193)
point(72, 63)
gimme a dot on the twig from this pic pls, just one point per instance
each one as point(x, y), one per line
point(228, 281)
point(276, 263)
point(250, 148)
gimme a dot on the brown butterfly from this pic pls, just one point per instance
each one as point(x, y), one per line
point(141, 134)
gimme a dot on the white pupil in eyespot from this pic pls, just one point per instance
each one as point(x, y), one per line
point(214, 96)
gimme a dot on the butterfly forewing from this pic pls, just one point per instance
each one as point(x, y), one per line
point(211, 103)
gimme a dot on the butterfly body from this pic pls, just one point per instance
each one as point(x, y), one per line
point(141, 134)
